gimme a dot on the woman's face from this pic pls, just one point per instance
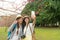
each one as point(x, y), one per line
point(26, 20)
point(20, 20)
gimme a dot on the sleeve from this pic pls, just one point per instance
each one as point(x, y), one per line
point(12, 27)
point(32, 27)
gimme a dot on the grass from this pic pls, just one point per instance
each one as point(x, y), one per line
point(41, 33)
point(3, 33)
point(47, 33)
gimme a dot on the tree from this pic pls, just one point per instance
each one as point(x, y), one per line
point(49, 11)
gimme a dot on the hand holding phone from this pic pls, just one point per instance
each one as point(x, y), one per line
point(33, 14)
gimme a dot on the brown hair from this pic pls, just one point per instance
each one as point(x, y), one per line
point(18, 23)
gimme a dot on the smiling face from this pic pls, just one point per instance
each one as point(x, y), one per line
point(27, 20)
point(20, 20)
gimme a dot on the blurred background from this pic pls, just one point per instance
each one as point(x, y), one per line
point(47, 12)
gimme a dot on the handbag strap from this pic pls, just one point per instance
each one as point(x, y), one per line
point(26, 30)
point(30, 29)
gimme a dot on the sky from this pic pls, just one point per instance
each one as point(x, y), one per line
point(10, 7)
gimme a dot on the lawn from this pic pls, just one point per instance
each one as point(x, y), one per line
point(3, 33)
point(47, 33)
point(41, 33)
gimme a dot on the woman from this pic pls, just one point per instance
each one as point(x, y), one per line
point(15, 31)
point(29, 27)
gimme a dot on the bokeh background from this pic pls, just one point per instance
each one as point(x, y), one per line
point(47, 20)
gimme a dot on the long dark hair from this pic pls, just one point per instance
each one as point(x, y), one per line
point(24, 23)
point(18, 22)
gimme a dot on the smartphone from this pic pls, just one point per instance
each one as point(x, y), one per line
point(32, 13)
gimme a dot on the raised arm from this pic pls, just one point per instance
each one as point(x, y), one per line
point(13, 25)
point(34, 20)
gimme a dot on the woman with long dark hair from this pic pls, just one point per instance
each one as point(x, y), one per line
point(15, 31)
point(28, 27)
